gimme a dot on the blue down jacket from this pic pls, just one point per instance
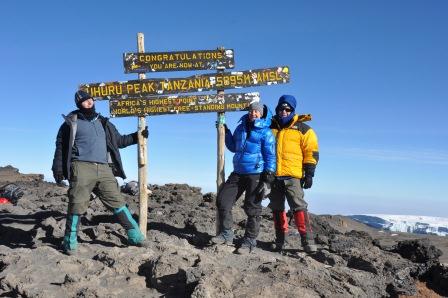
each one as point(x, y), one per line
point(253, 145)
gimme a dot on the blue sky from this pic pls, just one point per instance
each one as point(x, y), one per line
point(372, 73)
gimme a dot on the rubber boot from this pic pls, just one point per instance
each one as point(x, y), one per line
point(135, 237)
point(70, 242)
point(300, 218)
point(281, 229)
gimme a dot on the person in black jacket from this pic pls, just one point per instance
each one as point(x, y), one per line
point(87, 155)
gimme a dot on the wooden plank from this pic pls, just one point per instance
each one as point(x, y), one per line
point(165, 105)
point(226, 80)
point(178, 61)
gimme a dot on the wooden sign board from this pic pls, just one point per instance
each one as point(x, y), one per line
point(163, 105)
point(216, 81)
point(176, 61)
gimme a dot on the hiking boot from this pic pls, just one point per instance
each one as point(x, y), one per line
point(279, 241)
point(308, 244)
point(68, 251)
point(144, 243)
point(225, 237)
point(277, 246)
point(222, 239)
point(247, 246)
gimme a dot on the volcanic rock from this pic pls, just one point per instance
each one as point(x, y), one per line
point(181, 262)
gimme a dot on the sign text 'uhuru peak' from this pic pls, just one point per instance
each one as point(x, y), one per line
point(226, 80)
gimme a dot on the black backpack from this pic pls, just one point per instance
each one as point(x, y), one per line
point(130, 188)
point(12, 192)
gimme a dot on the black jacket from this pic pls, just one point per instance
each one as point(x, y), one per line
point(66, 138)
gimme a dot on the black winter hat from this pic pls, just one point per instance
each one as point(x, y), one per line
point(81, 96)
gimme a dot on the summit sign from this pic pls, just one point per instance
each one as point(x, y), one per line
point(178, 61)
point(199, 83)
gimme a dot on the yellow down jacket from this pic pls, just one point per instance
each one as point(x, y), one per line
point(297, 148)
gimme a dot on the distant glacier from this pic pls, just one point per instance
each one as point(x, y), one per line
point(405, 223)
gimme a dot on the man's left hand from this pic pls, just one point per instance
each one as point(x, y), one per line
point(306, 182)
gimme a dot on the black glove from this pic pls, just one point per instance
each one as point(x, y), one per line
point(306, 181)
point(264, 187)
point(58, 177)
point(262, 191)
point(145, 132)
point(267, 176)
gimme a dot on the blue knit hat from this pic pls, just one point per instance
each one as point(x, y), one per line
point(288, 101)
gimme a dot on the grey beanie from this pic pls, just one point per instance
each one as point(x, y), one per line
point(257, 106)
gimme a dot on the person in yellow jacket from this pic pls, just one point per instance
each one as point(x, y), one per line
point(297, 157)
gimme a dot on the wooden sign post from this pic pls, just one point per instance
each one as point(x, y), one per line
point(220, 144)
point(142, 155)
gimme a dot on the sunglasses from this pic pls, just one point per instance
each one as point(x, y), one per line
point(284, 109)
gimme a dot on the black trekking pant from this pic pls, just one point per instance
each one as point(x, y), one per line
point(232, 189)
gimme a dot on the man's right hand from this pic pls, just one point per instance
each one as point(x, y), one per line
point(306, 182)
point(58, 177)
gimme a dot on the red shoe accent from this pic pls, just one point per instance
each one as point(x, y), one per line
point(280, 221)
point(4, 201)
point(299, 219)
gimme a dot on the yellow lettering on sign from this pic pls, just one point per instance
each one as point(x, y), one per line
point(137, 88)
point(111, 89)
point(236, 106)
point(247, 79)
point(168, 85)
point(94, 91)
point(278, 77)
point(129, 88)
point(207, 84)
point(265, 76)
point(104, 91)
point(219, 81)
point(177, 85)
point(198, 83)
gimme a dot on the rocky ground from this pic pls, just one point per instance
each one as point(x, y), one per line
point(352, 261)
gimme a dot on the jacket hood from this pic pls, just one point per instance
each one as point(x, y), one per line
point(263, 122)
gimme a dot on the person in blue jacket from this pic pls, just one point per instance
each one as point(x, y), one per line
point(254, 166)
